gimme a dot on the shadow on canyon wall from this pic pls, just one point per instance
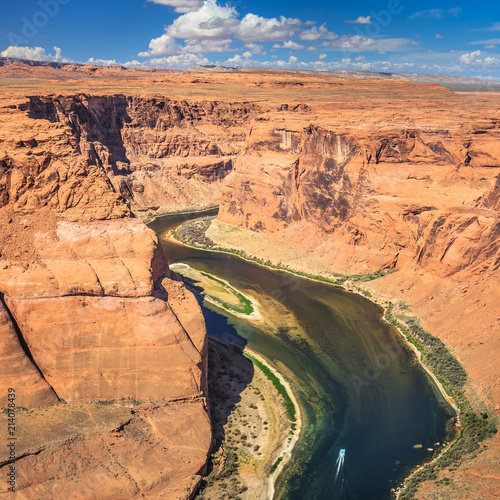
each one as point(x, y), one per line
point(229, 372)
point(95, 122)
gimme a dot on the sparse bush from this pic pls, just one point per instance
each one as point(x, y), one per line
point(452, 375)
point(104, 402)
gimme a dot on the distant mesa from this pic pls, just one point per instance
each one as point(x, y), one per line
point(212, 68)
point(5, 61)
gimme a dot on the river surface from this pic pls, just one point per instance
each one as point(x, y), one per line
point(358, 385)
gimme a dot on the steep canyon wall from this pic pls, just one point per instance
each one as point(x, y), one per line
point(91, 315)
point(380, 198)
point(158, 153)
point(352, 176)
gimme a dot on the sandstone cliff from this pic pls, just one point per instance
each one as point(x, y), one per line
point(351, 176)
point(159, 153)
point(379, 197)
point(89, 312)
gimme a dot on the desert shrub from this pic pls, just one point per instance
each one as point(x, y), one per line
point(452, 375)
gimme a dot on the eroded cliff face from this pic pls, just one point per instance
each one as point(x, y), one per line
point(158, 153)
point(90, 312)
point(355, 175)
point(381, 198)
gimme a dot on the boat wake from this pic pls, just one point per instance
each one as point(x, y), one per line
point(339, 486)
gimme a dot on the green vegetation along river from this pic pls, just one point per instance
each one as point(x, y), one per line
point(358, 385)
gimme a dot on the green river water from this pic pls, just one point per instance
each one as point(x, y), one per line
point(375, 400)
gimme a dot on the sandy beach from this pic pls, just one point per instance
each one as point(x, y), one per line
point(254, 435)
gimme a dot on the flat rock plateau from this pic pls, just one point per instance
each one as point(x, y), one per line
point(107, 351)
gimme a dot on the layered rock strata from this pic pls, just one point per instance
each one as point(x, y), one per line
point(379, 198)
point(348, 175)
point(159, 153)
point(90, 314)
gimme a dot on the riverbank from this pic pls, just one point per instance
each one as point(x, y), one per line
point(344, 282)
point(293, 410)
point(174, 237)
point(218, 292)
point(254, 430)
point(474, 431)
point(147, 218)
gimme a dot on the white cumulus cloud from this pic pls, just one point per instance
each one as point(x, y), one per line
point(361, 20)
point(35, 54)
point(178, 61)
point(202, 46)
point(162, 46)
point(101, 62)
point(255, 48)
point(289, 44)
point(211, 21)
point(181, 6)
point(235, 60)
point(470, 58)
point(478, 58)
point(317, 33)
point(260, 29)
point(133, 64)
point(291, 63)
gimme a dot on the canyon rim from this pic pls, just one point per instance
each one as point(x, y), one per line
point(104, 347)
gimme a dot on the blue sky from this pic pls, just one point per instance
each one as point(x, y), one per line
point(448, 37)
